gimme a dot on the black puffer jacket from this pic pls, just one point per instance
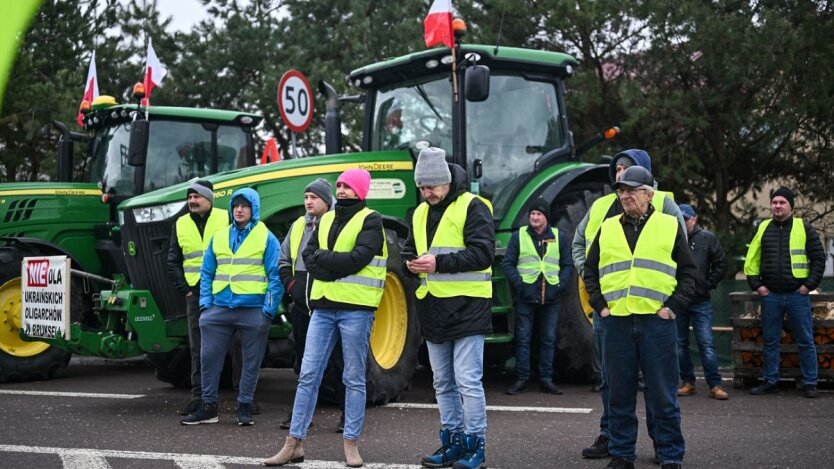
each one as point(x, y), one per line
point(444, 319)
point(775, 271)
point(711, 261)
point(331, 265)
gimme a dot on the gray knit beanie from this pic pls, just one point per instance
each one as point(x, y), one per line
point(203, 188)
point(431, 168)
point(321, 187)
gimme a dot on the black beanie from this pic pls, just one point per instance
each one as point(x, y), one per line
point(784, 192)
point(542, 206)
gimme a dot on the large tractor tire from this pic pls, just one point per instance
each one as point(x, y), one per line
point(21, 360)
point(174, 368)
point(575, 350)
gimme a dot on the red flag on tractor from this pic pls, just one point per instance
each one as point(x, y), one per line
point(154, 73)
point(437, 27)
point(90, 89)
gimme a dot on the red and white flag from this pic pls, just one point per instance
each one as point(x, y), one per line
point(90, 87)
point(154, 73)
point(437, 27)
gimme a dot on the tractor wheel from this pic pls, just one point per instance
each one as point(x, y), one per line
point(174, 368)
point(20, 360)
point(575, 349)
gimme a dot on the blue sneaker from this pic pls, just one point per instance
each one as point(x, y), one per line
point(475, 456)
point(451, 449)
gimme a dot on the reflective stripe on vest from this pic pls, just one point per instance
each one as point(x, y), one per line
point(530, 265)
point(448, 239)
point(601, 206)
point(193, 245)
point(296, 233)
point(637, 283)
point(242, 271)
point(363, 288)
point(796, 243)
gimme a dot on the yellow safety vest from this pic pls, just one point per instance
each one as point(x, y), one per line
point(243, 271)
point(530, 265)
point(362, 288)
point(449, 239)
point(601, 206)
point(796, 243)
point(296, 234)
point(193, 246)
point(639, 282)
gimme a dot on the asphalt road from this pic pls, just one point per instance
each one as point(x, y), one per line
point(136, 426)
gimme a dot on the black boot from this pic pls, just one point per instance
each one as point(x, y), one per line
point(518, 387)
point(550, 388)
point(765, 388)
point(597, 450)
point(340, 428)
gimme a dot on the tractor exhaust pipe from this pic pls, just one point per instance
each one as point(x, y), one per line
point(332, 119)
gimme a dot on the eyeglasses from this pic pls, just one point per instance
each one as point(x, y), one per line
point(630, 190)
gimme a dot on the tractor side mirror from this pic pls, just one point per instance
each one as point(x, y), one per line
point(137, 153)
point(476, 79)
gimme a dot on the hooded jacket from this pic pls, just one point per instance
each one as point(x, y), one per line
point(444, 319)
point(226, 298)
point(323, 264)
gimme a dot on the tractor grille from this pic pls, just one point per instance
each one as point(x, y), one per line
point(19, 210)
point(148, 268)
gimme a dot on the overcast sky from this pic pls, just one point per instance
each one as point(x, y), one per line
point(184, 13)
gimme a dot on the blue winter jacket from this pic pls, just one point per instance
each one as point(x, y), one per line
point(226, 298)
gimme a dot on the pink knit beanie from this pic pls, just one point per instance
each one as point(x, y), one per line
point(357, 179)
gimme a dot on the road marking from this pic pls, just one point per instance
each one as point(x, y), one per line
point(83, 461)
point(71, 394)
point(500, 408)
point(94, 458)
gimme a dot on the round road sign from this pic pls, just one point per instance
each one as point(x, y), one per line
point(295, 101)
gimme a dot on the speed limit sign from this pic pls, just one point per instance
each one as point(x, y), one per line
point(295, 100)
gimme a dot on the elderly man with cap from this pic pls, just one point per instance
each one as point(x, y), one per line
point(538, 266)
point(785, 261)
point(240, 291)
point(189, 238)
point(318, 200)
point(346, 256)
point(603, 208)
point(639, 272)
point(451, 248)
point(712, 265)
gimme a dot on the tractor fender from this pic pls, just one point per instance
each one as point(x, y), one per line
point(43, 246)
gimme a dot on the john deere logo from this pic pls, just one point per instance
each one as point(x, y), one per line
point(131, 248)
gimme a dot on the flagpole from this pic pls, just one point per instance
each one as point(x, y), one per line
point(454, 74)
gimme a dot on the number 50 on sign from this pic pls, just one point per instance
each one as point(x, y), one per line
point(295, 101)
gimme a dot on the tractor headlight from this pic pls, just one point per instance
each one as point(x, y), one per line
point(157, 212)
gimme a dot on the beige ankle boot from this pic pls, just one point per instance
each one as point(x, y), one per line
point(352, 454)
point(293, 451)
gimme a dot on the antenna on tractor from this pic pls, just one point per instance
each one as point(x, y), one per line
point(500, 29)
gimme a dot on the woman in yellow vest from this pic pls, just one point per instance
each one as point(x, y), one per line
point(346, 258)
point(240, 291)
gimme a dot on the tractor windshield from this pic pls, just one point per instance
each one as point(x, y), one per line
point(519, 122)
point(177, 152)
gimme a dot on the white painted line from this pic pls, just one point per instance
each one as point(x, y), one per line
point(205, 463)
point(71, 394)
point(191, 460)
point(500, 408)
point(84, 461)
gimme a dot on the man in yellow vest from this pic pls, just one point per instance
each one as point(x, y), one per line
point(538, 266)
point(452, 247)
point(603, 208)
point(240, 291)
point(638, 272)
point(189, 239)
point(347, 258)
point(785, 261)
point(318, 200)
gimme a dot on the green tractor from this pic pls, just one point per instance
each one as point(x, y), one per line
point(506, 124)
point(125, 151)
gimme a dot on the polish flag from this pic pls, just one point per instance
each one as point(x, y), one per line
point(437, 27)
point(154, 73)
point(90, 87)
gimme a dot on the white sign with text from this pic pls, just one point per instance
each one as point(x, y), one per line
point(45, 292)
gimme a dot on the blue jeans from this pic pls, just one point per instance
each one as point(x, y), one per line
point(326, 325)
point(217, 328)
point(599, 336)
point(548, 319)
point(649, 343)
point(798, 307)
point(700, 316)
point(458, 367)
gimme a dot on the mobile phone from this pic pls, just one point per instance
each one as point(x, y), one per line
point(409, 256)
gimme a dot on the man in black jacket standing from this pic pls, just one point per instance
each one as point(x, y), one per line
point(712, 265)
point(451, 248)
point(784, 263)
